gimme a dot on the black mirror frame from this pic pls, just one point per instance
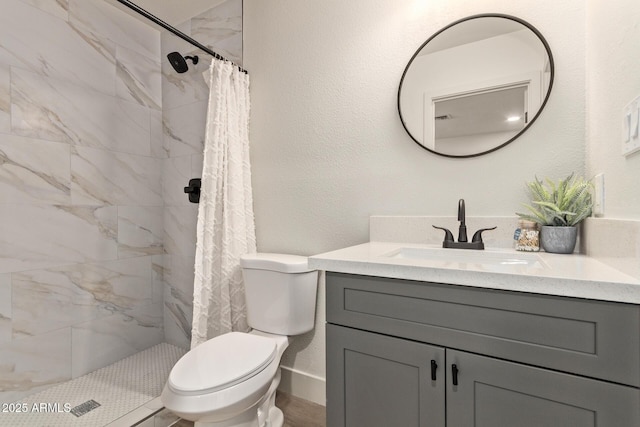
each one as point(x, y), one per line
point(468, 18)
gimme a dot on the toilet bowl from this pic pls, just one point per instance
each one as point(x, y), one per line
point(231, 380)
point(224, 377)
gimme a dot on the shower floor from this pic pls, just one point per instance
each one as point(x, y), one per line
point(128, 391)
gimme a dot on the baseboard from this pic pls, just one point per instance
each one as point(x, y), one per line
point(303, 385)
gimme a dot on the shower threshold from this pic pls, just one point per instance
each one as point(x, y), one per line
point(123, 394)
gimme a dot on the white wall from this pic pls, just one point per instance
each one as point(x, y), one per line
point(328, 148)
point(613, 80)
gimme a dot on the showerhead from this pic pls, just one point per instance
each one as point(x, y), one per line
point(178, 62)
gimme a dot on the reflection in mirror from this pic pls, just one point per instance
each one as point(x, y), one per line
point(477, 119)
point(475, 86)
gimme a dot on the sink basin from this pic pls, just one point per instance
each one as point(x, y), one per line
point(491, 260)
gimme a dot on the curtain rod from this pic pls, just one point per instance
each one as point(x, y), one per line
point(175, 31)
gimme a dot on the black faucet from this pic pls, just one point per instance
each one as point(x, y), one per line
point(463, 243)
point(462, 232)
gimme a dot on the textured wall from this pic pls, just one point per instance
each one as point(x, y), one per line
point(613, 65)
point(80, 190)
point(328, 148)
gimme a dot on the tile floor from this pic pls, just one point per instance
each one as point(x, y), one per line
point(126, 392)
point(127, 395)
point(297, 412)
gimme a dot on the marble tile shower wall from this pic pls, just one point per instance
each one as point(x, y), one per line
point(81, 202)
point(184, 98)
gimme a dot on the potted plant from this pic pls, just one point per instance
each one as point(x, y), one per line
point(559, 208)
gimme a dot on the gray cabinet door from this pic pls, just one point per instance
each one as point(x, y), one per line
point(378, 381)
point(496, 393)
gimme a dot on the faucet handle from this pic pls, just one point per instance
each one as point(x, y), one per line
point(448, 235)
point(477, 236)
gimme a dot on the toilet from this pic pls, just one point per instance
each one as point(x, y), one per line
point(231, 380)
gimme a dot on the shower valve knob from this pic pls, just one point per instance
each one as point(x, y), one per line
point(193, 190)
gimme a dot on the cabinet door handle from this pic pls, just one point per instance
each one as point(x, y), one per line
point(454, 373)
point(434, 367)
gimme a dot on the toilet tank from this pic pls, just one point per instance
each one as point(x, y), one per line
point(280, 292)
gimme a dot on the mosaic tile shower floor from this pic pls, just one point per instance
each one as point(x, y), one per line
point(127, 392)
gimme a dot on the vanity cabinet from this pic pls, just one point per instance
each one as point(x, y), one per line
point(408, 353)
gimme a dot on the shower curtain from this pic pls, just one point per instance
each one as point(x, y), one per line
point(226, 228)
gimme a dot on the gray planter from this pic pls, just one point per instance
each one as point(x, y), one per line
point(558, 240)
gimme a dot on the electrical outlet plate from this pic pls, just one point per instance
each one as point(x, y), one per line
point(631, 127)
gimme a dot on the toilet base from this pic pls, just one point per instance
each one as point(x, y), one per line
point(248, 418)
point(276, 417)
point(263, 414)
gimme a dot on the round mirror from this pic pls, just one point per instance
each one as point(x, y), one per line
point(476, 85)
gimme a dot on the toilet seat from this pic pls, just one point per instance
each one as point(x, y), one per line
point(221, 362)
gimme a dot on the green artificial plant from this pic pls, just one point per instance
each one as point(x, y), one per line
point(562, 204)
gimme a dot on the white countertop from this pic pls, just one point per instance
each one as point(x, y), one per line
point(541, 273)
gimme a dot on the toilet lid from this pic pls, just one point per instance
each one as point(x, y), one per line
point(221, 362)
